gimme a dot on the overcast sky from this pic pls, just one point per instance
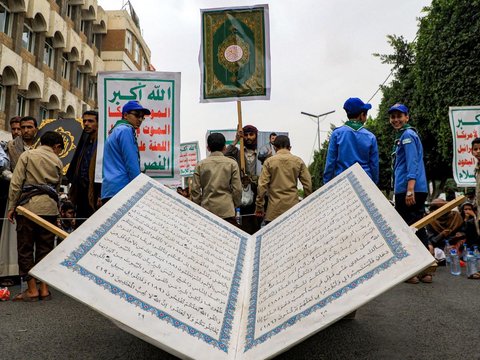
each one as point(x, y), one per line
point(321, 54)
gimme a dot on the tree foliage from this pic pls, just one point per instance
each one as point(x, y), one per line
point(439, 69)
point(318, 165)
point(399, 90)
point(447, 74)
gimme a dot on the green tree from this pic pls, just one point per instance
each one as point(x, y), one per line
point(400, 89)
point(318, 165)
point(446, 74)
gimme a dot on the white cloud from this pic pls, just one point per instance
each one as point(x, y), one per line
point(321, 55)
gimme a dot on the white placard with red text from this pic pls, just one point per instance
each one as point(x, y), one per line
point(465, 125)
point(159, 134)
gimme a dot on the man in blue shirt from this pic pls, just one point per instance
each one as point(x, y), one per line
point(352, 143)
point(121, 158)
point(410, 182)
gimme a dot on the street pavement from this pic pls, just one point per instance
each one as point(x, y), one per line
point(423, 321)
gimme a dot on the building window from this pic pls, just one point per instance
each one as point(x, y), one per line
point(79, 81)
point(144, 64)
point(5, 20)
point(70, 11)
point(97, 42)
point(43, 113)
point(2, 98)
point(129, 41)
point(83, 25)
point(137, 53)
point(65, 67)
point(91, 90)
point(21, 104)
point(48, 55)
point(28, 38)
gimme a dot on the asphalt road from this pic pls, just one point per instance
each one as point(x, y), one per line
point(424, 321)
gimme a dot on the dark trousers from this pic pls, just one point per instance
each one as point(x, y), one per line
point(83, 208)
point(412, 214)
point(33, 243)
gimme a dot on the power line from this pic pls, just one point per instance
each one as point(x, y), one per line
point(388, 77)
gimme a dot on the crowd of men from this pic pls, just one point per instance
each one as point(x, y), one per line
point(246, 187)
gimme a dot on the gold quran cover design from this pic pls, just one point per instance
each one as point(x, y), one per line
point(71, 130)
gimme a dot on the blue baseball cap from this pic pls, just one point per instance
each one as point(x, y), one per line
point(354, 106)
point(134, 105)
point(398, 107)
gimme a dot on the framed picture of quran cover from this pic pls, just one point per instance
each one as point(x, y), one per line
point(235, 54)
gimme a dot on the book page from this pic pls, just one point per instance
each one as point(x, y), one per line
point(333, 252)
point(158, 265)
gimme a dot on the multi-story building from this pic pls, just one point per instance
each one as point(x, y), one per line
point(52, 50)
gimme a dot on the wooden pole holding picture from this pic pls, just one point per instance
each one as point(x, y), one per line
point(240, 127)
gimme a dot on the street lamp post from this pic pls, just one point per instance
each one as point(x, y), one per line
point(318, 123)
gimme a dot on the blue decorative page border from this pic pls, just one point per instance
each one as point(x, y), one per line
point(75, 256)
point(390, 237)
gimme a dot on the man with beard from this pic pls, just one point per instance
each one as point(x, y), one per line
point(84, 192)
point(15, 147)
point(267, 150)
point(252, 170)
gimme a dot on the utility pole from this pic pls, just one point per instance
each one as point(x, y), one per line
point(318, 123)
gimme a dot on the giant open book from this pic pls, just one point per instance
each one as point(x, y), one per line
point(190, 283)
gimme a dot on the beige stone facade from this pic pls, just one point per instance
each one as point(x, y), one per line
point(52, 50)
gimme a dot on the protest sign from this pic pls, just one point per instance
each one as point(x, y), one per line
point(235, 54)
point(465, 125)
point(189, 157)
point(159, 135)
point(192, 284)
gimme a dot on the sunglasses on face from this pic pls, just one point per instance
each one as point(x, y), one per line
point(140, 116)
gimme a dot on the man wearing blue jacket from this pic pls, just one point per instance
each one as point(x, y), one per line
point(352, 143)
point(410, 182)
point(121, 158)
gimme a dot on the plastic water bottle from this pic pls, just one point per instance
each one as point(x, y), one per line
point(238, 217)
point(23, 285)
point(476, 253)
point(446, 250)
point(465, 252)
point(455, 268)
point(471, 264)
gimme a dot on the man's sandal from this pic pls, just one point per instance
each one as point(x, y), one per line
point(46, 297)
point(413, 280)
point(25, 298)
point(475, 276)
point(427, 279)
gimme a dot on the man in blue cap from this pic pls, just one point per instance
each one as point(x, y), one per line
point(121, 158)
point(410, 181)
point(352, 143)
